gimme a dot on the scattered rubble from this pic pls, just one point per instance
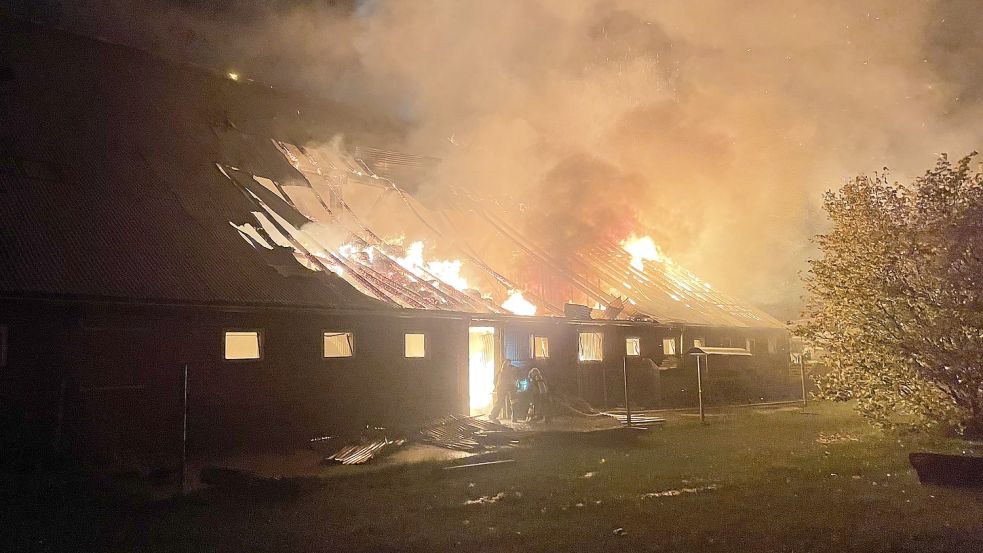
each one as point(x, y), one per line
point(452, 432)
point(680, 491)
point(486, 499)
point(835, 438)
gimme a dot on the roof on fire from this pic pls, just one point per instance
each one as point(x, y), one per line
point(125, 176)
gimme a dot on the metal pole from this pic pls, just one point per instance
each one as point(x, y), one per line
point(699, 387)
point(184, 428)
point(802, 376)
point(604, 383)
point(627, 405)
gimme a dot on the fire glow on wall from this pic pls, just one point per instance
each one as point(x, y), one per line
point(481, 368)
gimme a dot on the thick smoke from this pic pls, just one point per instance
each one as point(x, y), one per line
point(714, 124)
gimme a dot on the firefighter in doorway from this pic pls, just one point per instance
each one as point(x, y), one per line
point(504, 382)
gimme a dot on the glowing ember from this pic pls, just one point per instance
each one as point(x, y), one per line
point(233, 75)
point(518, 304)
point(642, 249)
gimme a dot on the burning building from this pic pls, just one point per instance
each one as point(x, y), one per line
point(178, 245)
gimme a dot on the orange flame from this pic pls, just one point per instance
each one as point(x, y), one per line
point(518, 304)
point(642, 249)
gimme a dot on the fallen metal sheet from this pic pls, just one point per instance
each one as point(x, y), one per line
point(355, 453)
point(483, 464)
point(640, 420)
point(465, 433)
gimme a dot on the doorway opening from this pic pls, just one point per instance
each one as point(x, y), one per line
point(481, 368)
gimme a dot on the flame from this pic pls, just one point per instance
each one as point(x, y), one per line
point(642, 249)
point(518, 304)
point(447, 271)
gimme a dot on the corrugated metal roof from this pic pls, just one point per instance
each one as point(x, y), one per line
point(122, 199)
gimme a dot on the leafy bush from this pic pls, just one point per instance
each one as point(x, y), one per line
point(896, 298)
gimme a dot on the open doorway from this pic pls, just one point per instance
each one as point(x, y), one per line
point(481, 368)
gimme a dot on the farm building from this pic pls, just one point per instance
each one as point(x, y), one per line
point(175, 241)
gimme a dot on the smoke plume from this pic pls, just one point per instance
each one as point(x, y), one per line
point(713, 125)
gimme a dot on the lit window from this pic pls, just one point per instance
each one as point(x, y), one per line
point(540, 347)
point(591, 346)
point(339, 344)
point(669, 346)
point(698, 342)
point(3, 345)
point(242, 344)
point(633, 347)
point(415, 345)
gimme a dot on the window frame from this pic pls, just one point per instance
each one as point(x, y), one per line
point(702, 342)
point(672, 341)
point(426, 345)
point(579, 344)
point(351, 341)
point(260, 339)
point(638, 340)
point(532, 344)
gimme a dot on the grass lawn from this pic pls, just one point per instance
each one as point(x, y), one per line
point(752, 480)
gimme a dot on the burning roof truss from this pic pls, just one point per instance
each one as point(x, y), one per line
point(327, 235)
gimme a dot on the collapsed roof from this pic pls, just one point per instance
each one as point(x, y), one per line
point(126, 176)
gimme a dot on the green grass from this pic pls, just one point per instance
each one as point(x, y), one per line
point(778, 490)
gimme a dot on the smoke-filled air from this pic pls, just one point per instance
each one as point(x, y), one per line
point(711, 129)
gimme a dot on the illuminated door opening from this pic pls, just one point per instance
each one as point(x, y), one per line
point(481, 368)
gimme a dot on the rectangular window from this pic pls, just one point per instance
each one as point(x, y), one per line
point(633, 347)
point(3, 345)
point(415, 345)
point(669, 346)
point(772, 345)
point(591, 346)
point(243, 344)
point(339, 344)
point(540, 347)
point(698, 342)
point(749, 344)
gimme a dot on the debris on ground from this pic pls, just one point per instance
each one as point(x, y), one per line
point(590, 474)
point(620, 531)
point(835, 438)
point(680, 491)
point(355, 452)
point(638, 420)
point(486, 499)
point(481, 464)
point(466, 433)
point(452, 432)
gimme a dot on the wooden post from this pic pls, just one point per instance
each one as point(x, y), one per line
point(699, 387)
point(627, 405)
